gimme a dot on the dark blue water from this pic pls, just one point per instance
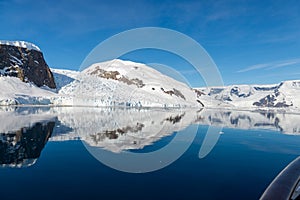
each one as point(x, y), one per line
point(240, 166)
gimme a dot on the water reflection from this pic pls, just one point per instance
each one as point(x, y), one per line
point(117, 130)
point(23, 134)
point(287, 123)
point(21, 148)
point(25, 131)
point(123, 129)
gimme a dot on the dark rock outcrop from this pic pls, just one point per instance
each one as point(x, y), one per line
point(270, 101)
point(26, 64)
point(236, 91)
point(174, 91)
point(115, 75)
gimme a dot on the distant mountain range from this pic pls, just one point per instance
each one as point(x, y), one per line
point(283, 95)
point(25, 78)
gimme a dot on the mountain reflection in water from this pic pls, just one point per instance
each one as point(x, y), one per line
point(25, 131)
point(21, 148)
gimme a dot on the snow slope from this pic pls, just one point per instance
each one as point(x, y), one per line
point(22, 44)
point(63, 77)
point(13, 91)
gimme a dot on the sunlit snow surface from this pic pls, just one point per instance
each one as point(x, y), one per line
point(134, 85)
point(14, 91)
point(21, 44)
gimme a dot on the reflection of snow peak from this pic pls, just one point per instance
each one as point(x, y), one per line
point(123, 129)
point(287, 123)
point(118, 129)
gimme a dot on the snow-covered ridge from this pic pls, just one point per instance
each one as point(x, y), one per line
point(22, 44)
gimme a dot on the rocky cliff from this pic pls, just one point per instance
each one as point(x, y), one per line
point(25, 61)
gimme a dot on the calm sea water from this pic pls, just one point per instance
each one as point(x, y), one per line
point(44, 154)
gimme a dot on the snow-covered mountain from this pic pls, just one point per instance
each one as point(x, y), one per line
point(25, 77)
point(111, 83)
point(123, 83)
point(283, 95)
point(118, 82)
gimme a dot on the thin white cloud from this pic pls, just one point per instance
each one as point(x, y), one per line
point(254, 67)
point(271, 65)
point(284, 64)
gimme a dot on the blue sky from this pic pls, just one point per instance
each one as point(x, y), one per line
point(250, 41)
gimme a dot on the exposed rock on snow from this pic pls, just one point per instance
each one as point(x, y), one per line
point(25, 61)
